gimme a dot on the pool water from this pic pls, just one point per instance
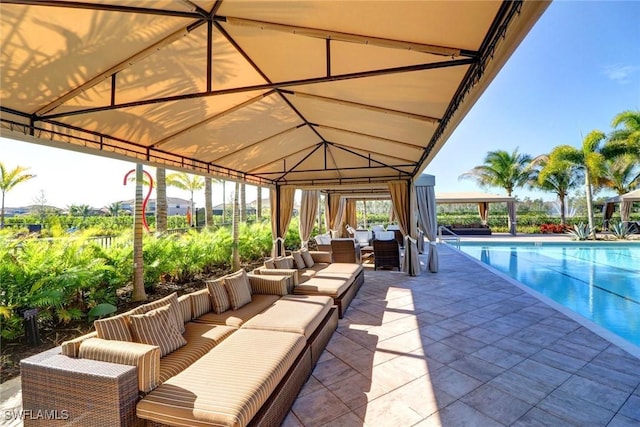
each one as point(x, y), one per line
point(598, 281)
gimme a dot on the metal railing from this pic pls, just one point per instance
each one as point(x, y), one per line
point(450, 237)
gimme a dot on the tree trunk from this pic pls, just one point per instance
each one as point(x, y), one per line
point(259, 204)
point(243, 203)
point(208, 202)
point(587, 183)
point(161, 200)
point(235, 252)
point(193, 212)
point(224, 202)
point(138, 267)
point(2, 213)
point(563, 209)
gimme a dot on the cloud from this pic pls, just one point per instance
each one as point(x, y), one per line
point(620, 73)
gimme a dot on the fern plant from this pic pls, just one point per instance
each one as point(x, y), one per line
point(581, 231)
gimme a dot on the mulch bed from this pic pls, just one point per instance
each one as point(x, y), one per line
point(12, 352)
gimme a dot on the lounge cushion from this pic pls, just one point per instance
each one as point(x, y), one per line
point(236, 318)
point(157, 327)
point(200, 302)
point(185, 307)
point(300, 314)
point(322, 286)
point(340, 268)
point(298, 260)
point(238, 289)
point(201, 338)
point(308, 259)
point(247, 367)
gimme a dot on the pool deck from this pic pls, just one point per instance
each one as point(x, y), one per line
point(464, 346)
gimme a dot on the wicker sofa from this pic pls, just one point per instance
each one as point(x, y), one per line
point(314, 273)
point(243, 365)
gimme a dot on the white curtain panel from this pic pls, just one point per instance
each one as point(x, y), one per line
point(426, 202)
point(308, 211)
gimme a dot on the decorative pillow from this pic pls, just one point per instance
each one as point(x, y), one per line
point(281, 262)
point(114, 328)
point(238, 289)
point(200, 302)
point(185, 307)
point(156, 327)
point(270, 264)
point(308, 260)
point(297, 259)
point(175, 312)
point(219, 298)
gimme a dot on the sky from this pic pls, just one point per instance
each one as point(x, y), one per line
point(577, 68)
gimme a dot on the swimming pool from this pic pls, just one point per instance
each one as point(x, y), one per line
point(600, 281)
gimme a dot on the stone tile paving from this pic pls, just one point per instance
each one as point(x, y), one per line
point(465, 347)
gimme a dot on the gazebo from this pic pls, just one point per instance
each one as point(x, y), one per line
point(626, 201)
point(483, 200)
point(311, 95)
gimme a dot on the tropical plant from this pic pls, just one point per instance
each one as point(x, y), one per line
point(590, 158)
point(8, 180)
point(559, 178)
point(581, 231)
point(188, 182)
point(622, 174)
point(115, 209)
point(620, 230)
point(502, 169)
point(629, 132)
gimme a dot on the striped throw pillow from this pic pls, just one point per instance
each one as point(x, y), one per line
point(218, 294)
point(270, 263)
point(175, 313)
point(156, 327)
point(238, 289)
point(281, 262)
point(200, 302)
point(114, 328)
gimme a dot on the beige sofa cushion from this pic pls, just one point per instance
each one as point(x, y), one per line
point(236, 318)
point(201, 338)
point(200, 302)
point(157, 327)
point(247, 367)
point(300, 314)
point(333, 287)
point(340, 268)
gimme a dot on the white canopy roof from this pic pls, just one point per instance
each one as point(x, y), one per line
point(631, 196)
point(302, 93)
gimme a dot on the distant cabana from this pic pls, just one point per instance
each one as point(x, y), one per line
point(483, 200)
point(625, 200)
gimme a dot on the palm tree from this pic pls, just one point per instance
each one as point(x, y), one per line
point(622, 174)
point(161, 200)
point(630, 132)
point(208, 201)
point(114, 209)
point(235, 251)
point(559, 180)
point(139, 293)
point(243, 203)
point(259, 204)
point(590, 158)
point(8, 180)
point(502, 169)
point(188, 182)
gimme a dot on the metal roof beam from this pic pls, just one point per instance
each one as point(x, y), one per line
point(277, 85)
point(349, 37)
